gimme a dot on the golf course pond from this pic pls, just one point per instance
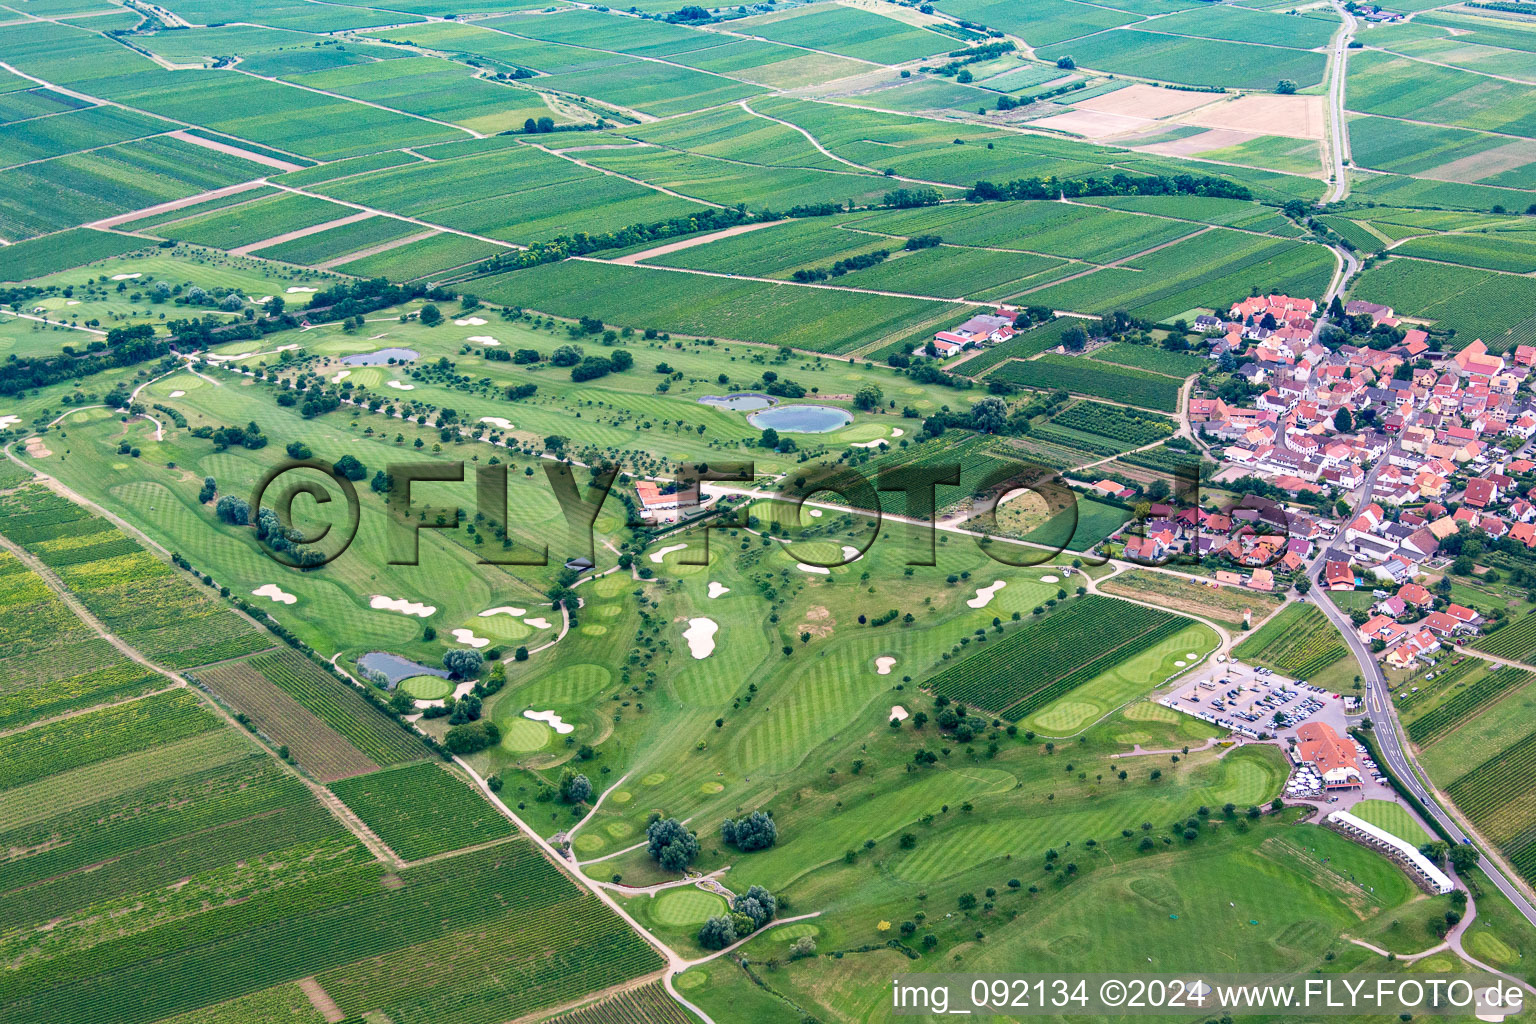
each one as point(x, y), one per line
point(801, 419)
point(746, 401)
point(395, 668)
point(382, 357)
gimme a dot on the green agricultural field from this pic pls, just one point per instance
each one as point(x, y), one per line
point(422, 810)
point(54, 663)
point(815, 318)
point(1492, 252)
point(1299, 642)
point(1498, 308)
point(166, 618)
point(1207, 62)
point(849, 31)
point(334, 244)
point(62, 251)
point(1040, 24)
point(71, 190)
point(254, 222)
point(1240, 25)
point(1380, 83)
point(436, 254)
point(1292, 156)
point(1068, 649)
point(435, 88)
point(1097, 379)
point(1158, 360)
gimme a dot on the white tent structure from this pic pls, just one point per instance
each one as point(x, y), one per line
point(1398, 849)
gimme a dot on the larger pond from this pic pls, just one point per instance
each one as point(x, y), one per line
point(743, 402)
point(801, 419)
point(395, 668)
point(382, 356)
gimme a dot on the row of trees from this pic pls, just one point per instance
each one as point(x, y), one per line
point(1119, 185)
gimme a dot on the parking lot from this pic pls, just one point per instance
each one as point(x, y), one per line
point(1246, 699)
point(1250, 700)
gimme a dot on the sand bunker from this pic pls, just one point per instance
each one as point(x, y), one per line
point(850, 553)
point(295, 290)
point(1050, 579)
point(883, 666)
point(341, 375)
point(815, 513)
point(898, 713)
point(716, 589)
point(280, 348)
point(125, 277)
point(819, 570)
point(37, 449)
point(484, 339)
point(538, 622)
point(467, 636)
point(664, 552)
point(984, 594)
point(177, 394)
point(9, 421)
point(497, 421)
point(554, 721)
point(470, 321)
point(378, 602)
point(700, 635)
point(402, 387)
point(72, 302)
point(275, 592)
point(505, 609)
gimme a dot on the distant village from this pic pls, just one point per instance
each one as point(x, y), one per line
point(1400, 453)
point(1397, 457)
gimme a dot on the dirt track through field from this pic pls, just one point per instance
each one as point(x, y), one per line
point(689, 243)
point(244, 154)
point(313, 229)
point(321, 1000)
point(175, 204)
point(374, 250)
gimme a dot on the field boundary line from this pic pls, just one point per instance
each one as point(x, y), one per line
point(313, 229)
point(84, 614)
point(231, 150)
point(365, 103)
point(374, 250)
point(177, 204)
point(500, 243)
point(1452, 67)
point(625, 177)
point(790, 284)
point(321, 1000)
point(107, 705)
point(590, 998)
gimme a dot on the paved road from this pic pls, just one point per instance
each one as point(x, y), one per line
point(1338, 129)
point(1387, 729)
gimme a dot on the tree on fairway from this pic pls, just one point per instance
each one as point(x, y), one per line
point(670, 844)
point(717, 933)
point(574, 788)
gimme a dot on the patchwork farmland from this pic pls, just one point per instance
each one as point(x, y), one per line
point(367, 658)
